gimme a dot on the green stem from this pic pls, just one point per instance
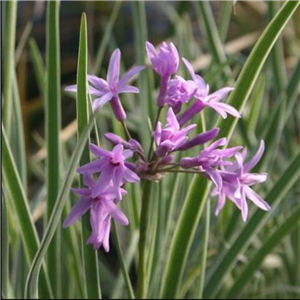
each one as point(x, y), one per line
point(122, 263)
point(204, 250)
point(127, 133)
point(142, 280)
point(152, 138)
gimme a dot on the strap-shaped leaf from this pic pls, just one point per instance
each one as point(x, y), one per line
point(240, 242)
point(195, 200)
point(283, 229)
point(13, 183)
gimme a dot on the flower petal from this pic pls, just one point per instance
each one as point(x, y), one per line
point(127, 76)
point(128, 89)
point(80, 208)
point(114, 68)
point(84, 192)
point(256, 199)
point(71, 88)
point(99, 102)
point(100, 152)
point(115, 212)
point(219, 94)
point(102, 182)
point(99, 83)
point(130, 176)
point(91, 168)
point(221, 203)
point(256, 158)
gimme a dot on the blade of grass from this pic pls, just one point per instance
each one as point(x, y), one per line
point(53, 126)
point(128, 284)
point(225, 19)
point(144, 222)
point(277, 56)
point(4, 248)
point(31, 284)
point(204, 13)
point(105, 40)
point(182, 238)
point(240, 242)
point(144, 80)
point(281, 231)
point(192, 209)
point(28, 231)
point(38, 66)
point(254, 64)
point(90, 259)
point(204, 251)
point(256, 104)
point(8, 62)
point(23, 40)
point(20, 148)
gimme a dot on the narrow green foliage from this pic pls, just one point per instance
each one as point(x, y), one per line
point(9, 61)
point(39, 67)
point(27, 229)
point(240, 242)
point(53, 126)
point(4, 248)
point(90, 260)
point(31, 285)
point(282, 230)
point(246, 80)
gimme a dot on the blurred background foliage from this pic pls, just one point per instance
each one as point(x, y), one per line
point(110, 25)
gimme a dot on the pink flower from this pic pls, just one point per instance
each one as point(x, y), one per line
point(203, 99)
point(109, 89)
point(102, 209)
point(237, 181)
point(170, 138)
point(166, 61)
point(112, 167)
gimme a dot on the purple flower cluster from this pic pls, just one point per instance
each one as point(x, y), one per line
point(106, 176)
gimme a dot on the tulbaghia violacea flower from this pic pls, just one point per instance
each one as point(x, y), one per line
point(203, 99)
point(113, 169)
point(179, 92)
point(165, 62)
point(109, 89)
point(237, 181)
point(132, 144)
point(210, 160)
point(102, 209)
point(171, 137)
point(111, 165)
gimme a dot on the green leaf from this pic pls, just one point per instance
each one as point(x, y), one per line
point(23, 40)
point(107, 34)
point(240, 242)
point(269, 243)
point(183, 236)
point(128, 284)
point(4, 248)
point(53, 127)
point(254, 64)
point(31, 285)
point(204, 251)
point(8, 61)
point(90, 259)
point(19, 141)
point(38, 66)
point(195, 200)
point(204, 12)
point(14, 186)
